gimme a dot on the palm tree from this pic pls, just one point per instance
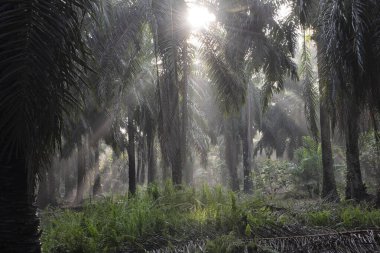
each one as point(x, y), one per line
point(350, 46)
point(185, 112)
point(306, 13)
point(232, 149)
point(169, 35)
point(246, 135)
point(121, 49)
point(42, 54)
point(254, 41)
point(329, 190)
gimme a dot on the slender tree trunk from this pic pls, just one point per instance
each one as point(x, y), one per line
point(42, 196)
point(231, 153)
point(329, 190)
point(150, 135)
point(248, 184)
point(96, 189)
point(52, 182)
point(355, 188)
point(247, 145)
point(131, 157)
point(81, 171)
point(165, 170)
point(177, 168)
point(175, 131)
point(52, 187)
point(164, 164)
point(70, 176)
point(189, 173)
point(18, 221)
point(144, 159)
point(170, 127)
point(185, 116)
point(139, 160)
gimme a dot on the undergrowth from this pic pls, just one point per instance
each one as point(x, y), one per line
point(163, 217)
point(343, 216)
point(154, 217)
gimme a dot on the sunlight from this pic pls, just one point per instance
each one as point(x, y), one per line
point(199, 17)
point(283, 12)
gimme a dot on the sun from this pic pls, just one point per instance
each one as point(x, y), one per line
point(199, 17)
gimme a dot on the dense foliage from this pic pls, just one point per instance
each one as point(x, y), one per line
point(157, 218)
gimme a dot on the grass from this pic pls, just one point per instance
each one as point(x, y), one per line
point(153, 218)
point(343, 216)
point(161, 217)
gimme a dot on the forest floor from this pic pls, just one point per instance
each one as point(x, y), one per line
point(210, 220)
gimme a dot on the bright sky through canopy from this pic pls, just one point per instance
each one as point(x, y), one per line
point(199, 17)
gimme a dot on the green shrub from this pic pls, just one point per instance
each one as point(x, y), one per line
point(307, 175)
point(275, 175)
point(357, 217)
point(179, 215)
point(173, 214)
point(320, 218)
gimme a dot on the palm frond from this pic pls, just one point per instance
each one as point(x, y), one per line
point(230, 87)
point(310, 92)
point(361, 23)
point(41, 66)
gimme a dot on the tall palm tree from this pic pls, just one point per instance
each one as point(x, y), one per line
point(170, 33)
point(349, 30)
point(329, 189)
point(306, 13)
point(253, 41)
point(42, 56)
point(119, 42)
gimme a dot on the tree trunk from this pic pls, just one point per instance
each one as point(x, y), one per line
point(70, 176)
point(52, 182)
point(247, 145)
point(231, 153)
point(150, 135)
point(139, 160)
point(355, 188)
point(177, 168)
point(18, 221)
point(144, 158)
point(175, 131)
point(164, 164)
point(169, 94)
point(329, 190)
point(188, 174)
point(166, 172)
point(248, 184)
point(42, 196)
point(131, 157)
point(97, 187)
point(246, 163)
point(81, 160)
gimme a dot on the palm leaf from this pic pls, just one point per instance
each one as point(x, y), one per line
point(43, 58)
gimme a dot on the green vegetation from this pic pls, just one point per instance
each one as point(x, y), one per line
point(165, 217)
point(308, 174)
point(153, 218)
point(349, 217)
